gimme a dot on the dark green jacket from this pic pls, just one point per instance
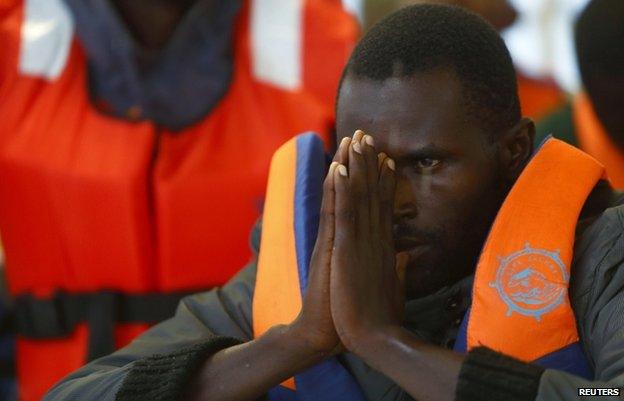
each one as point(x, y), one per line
point(158, 364)
point(560, 124)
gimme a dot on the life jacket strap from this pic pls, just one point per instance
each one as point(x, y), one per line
point(7, 347)
point(58, 316)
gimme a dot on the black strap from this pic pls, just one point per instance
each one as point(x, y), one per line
point(57, 317)
point(101, 315)
point(7, 344)
point(7, 368)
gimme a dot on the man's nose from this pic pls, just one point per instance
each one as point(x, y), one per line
point(404, 201)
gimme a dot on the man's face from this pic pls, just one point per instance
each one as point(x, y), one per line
point(449, 184)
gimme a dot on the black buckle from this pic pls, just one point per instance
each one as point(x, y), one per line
point(57, 317)
point(45, 318)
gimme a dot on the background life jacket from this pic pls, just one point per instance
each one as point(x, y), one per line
point(106, 222)
point(538, 97)
point(521, 296)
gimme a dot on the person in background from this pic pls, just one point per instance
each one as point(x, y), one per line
point(434, 262)
point(120, 159)
point(500, 13)
point(593, 119)
point(538, 96)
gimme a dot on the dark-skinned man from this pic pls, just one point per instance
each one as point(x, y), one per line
point(437, 199)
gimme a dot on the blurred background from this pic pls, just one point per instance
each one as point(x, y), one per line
point(131, 130)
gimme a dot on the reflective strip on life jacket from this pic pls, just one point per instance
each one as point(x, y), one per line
point(289, 55)
point(276, 48)
point(289, 229)
point(47, 35)
point(520, 290)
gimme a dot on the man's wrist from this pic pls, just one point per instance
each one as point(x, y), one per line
point(423, 370)
point(293, 340)
point(369, 343)
point(266, 361)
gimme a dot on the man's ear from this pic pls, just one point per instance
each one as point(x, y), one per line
point(517, 147)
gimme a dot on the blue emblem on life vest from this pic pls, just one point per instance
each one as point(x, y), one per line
point(531, 281)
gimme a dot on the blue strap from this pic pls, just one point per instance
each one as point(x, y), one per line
point(328, 380)
point(310, 173)
point(568, 359)
point(279, 393)
point(461, 343)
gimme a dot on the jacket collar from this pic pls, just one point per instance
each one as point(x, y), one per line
point(174, 88)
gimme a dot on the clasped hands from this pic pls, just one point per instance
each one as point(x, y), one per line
point(356, 284)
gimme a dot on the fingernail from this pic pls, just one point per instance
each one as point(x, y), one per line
point(369, 140)
point(356, 147)
point(391, 165)
point(332, 167)
point(358, 134)
point(345, 140)
point(342, 170)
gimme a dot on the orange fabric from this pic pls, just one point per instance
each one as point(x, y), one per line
point(277, 297)
point(62, 355)
point(538, 97)
point(594, 140)
point(532, 234)
point(126, 332)
point(11, 16)
point(89, 202)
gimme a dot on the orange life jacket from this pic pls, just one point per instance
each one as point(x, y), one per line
point(99, 215)
point(520, 289)
point(594, 140)
point(289, 229)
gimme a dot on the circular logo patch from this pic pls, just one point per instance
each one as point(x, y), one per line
point(531, 281)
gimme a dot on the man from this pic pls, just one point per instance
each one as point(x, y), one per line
point(119, 120)
point(593, 119)
point(410, 198)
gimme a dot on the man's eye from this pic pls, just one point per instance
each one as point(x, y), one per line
point(427, 163)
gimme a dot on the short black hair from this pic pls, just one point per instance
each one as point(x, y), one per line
point(424, 37)
point(599, 38)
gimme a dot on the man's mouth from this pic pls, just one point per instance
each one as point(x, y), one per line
point(403, 244)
